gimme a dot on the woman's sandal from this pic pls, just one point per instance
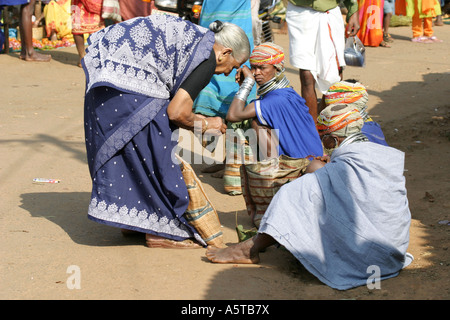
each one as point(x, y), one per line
point(422, 39)
point(384, 44)
point(160, 242)
point(387, 37)
point(434, 39)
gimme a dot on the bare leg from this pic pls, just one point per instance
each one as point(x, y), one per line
point(246, 252)
point(321, 105)
point(26, 35)
point(308, 91)
point(386, 23)
point(79, 43)
point(53, 36)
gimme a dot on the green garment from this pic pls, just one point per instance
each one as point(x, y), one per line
point(433, 5)
point(324, 5)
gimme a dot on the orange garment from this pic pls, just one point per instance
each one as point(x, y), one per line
point(421, 26)
point(422, 13)
point(371, 22)
point(426, 8)
point(85, 21)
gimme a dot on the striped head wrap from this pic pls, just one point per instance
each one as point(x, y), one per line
point(347, 93)
point(339, 119)
point(268, 53)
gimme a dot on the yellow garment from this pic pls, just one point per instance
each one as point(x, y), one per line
point(58, 18)
point(426, 8)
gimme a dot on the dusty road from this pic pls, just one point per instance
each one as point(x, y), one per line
point(47, 238)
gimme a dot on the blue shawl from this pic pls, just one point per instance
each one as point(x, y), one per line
point(348, 218)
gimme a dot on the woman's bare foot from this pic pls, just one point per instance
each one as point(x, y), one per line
point(35, 56)
point(241, 253)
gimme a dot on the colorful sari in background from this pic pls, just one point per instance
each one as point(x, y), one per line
point(58, 18)
point(371, 22)
point(425, 8)
point(422, 13)
point(86, 16)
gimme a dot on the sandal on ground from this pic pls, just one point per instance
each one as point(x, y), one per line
point(387, 37)
point(421, 39)
point(384, 44)
point(434, 39)
point(438, 22)
point(160, 242)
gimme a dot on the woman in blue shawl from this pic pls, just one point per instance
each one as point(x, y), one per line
point(142, 76)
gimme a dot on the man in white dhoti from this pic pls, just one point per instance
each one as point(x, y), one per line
point(317, 42)
point(343, 220)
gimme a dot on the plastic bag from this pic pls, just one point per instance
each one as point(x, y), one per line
point(355, 52)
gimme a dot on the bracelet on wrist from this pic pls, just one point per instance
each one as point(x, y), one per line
point(244, 89)
point(204, 121)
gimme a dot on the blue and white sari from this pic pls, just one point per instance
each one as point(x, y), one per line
point(133, 69)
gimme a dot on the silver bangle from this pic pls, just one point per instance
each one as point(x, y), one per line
point(244, 89)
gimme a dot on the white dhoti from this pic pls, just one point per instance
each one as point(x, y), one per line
point(317, 43)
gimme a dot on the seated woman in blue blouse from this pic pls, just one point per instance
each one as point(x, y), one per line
point(278, 107)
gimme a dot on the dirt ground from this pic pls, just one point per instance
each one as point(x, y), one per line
point(46, 233)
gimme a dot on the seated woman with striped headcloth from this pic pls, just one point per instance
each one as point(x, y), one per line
point(283, 134)
point(353, 93)
point(345, 220)
point(278, 107)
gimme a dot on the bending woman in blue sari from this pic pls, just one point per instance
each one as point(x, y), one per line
point(142, 77)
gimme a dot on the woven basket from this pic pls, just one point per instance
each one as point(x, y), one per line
point(38, 33)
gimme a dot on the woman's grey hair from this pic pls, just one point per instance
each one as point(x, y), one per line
point(232, 36)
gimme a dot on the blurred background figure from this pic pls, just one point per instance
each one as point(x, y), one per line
point(58, 22)
point(371, 23)
point(422, 13)
point(86, 19)
point(27, 52)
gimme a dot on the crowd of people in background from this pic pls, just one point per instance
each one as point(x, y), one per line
point(72, 21)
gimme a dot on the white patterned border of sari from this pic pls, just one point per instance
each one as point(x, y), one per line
point(146, 55)
point(139, 220)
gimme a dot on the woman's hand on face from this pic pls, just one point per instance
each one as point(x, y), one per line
point(242, 73)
